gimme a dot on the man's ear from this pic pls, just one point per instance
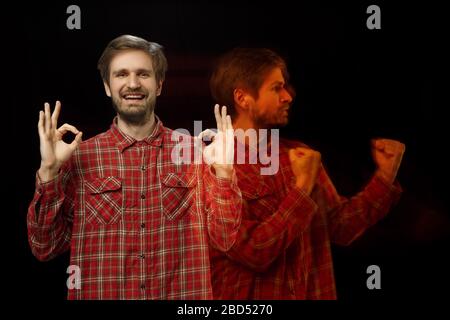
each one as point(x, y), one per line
point(241, 99)
point(159, 88)
point(107, 89)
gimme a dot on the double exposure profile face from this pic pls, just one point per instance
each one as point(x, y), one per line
point(271, 108)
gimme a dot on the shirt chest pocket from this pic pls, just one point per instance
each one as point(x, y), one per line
point(178, 190)
point(104, 200)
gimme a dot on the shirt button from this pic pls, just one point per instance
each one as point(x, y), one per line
point(142, 225)
point(143, 168)
point(142, 196)
point(142, 286)
point(142, 256)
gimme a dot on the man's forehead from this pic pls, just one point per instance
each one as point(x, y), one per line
point(275, 75)
point(131, 59)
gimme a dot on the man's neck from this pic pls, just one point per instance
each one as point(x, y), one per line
point(137, 131)
point(245, 123)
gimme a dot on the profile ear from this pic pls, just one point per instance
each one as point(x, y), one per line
point(107, 89)
point(241, 99)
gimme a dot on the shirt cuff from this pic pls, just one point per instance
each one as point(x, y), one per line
point(49, 189)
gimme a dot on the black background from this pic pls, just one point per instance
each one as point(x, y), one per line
point(352, 84)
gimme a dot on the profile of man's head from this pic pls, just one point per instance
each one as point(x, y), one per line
point(243, 79)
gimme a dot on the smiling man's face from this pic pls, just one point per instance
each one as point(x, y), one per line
point(133, 86)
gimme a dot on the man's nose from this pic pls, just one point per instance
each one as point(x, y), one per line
point(133, 82)
point(286, 96)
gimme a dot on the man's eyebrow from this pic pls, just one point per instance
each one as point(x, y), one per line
point(278, 82)
point(144, 70)
point(120, 71)
point(138, 70)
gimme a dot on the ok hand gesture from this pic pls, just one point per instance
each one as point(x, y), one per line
point(220, 153)
point(54, 151)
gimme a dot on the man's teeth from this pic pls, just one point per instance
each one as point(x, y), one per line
point(134, 96)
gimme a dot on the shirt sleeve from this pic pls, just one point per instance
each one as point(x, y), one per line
point(50, 218)
point(223, 207)
point(260, 240)
point(348, 218)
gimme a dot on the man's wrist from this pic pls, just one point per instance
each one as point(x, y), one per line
point(224, 173)
point(389, 179)
point(301, 185)
point(46, 174)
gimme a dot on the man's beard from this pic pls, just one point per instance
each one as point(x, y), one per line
point(136, 115)
point(272, 121)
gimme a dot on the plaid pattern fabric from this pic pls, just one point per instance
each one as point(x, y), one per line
point(138, 225)
point(282, 250)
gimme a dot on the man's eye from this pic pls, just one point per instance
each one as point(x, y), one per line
point(144, 75)
point(121, 75)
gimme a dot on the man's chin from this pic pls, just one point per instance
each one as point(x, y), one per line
point(132, 114)
point(284, 121)
point(132, 118)
point(134, 104)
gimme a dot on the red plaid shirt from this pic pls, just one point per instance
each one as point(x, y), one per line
point(138, 225)
point(282, 250)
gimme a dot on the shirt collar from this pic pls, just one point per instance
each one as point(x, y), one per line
point(124, 141)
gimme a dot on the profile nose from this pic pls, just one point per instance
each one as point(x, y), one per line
point(286, 96)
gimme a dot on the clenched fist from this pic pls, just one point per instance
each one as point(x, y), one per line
point(305, 164)
point(387, 155)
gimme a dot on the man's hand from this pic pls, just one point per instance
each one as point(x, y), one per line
point(220, 153)
point(387, 155)
point(305, 164)
point(54, 151)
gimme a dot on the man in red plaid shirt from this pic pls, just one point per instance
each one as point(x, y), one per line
point(137, 221)
point(291, 215)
